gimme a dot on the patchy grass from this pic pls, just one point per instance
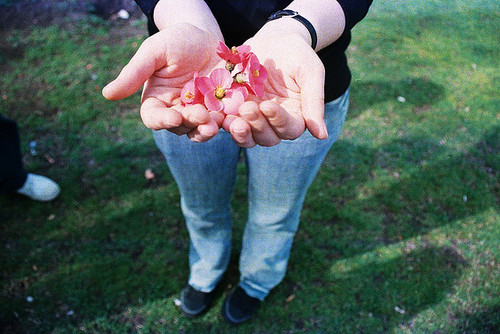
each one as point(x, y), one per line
point(399, 231)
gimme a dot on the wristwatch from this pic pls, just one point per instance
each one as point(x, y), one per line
point(295, 15)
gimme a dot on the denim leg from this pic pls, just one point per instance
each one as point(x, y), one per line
point(278, 179)
point(205, 174)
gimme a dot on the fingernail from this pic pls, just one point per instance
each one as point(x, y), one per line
point(324, 131)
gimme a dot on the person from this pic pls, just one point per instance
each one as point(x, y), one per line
point(13, 177)
point(283, 137)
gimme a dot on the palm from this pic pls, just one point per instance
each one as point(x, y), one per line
point(295, 83)
point(282, 89)
point(167, 61)
point(288, 70)
point(194, 54)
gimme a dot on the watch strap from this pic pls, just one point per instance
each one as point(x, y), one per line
point(295, 15)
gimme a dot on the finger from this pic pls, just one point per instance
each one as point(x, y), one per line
point(218, 117)
point(155, 115)
point(287, 125)
point(241, 132)
point(140, 67)
point(226, 124)
point(192, 117)
point(204, 132)
point(263, 134)
point(312, 85)
point(208, 130)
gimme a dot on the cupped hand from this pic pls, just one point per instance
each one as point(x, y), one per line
point(165, 62)
point(293, 98)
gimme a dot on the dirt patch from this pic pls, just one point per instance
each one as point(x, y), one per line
point(27, 13)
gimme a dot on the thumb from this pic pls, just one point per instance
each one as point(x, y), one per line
point(312, 87)
point(139, 69)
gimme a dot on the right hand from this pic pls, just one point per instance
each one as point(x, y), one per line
point(165, 62)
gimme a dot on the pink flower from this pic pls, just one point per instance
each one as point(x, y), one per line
point(220, 94)
point(235, 55)
point(252, 74)
point(190, 94)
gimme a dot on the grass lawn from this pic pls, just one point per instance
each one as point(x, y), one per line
point(400, 231)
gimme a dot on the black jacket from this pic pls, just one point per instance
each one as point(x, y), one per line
point(241, 19)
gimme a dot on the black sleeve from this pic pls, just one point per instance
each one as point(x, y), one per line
point(147, 7)
point(354, 11)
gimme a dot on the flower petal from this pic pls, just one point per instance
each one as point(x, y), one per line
point(204, 84)
point(241, 88)
point(262, 75)
point(221, 77)
point(188, 93)
point(223, 51)
point(244, 49)
point(258, 90)
point(232, 101)
point(212, 103)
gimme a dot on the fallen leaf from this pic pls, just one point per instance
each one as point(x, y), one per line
point(149, 175)
point(49, 159)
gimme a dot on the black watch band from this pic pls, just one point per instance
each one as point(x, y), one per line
point(295, 15)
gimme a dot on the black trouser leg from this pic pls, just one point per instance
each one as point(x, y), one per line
point(12, 173)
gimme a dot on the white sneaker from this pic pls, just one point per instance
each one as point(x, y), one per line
point(39, 188)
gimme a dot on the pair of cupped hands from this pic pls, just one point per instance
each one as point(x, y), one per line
point(293, 98)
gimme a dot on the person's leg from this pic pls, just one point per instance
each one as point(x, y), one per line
point(205, 174)
point(279, 177)
point(12, 173)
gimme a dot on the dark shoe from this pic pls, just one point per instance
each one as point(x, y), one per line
point(194, 302)
point(238, 307)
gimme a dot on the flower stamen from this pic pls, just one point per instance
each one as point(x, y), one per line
point(220, 92)
point(189, 96)
point(240, 78)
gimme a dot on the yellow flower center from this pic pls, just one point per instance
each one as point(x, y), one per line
point(256, 73)
point(220, 92)
point(234, 50)
point(189, 96)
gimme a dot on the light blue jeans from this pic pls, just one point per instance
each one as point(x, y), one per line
point(278, 179)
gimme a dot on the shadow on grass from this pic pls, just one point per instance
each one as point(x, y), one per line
point(425, 186)
point(406, 188)
point(132, 251)
point(389, 293)
point(417, 91)
point(485, 321)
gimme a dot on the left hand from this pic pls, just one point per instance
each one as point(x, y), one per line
point(293, 94)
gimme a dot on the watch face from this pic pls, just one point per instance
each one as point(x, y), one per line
point(281, 13)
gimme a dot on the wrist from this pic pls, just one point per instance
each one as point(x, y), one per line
point(285, 26)
point(296, 16)
point(168, 13)
point(325, 16)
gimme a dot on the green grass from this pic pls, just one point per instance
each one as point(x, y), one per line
point(399, 234)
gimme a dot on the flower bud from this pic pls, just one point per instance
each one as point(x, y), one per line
point(240, 78)
point(229, 66)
